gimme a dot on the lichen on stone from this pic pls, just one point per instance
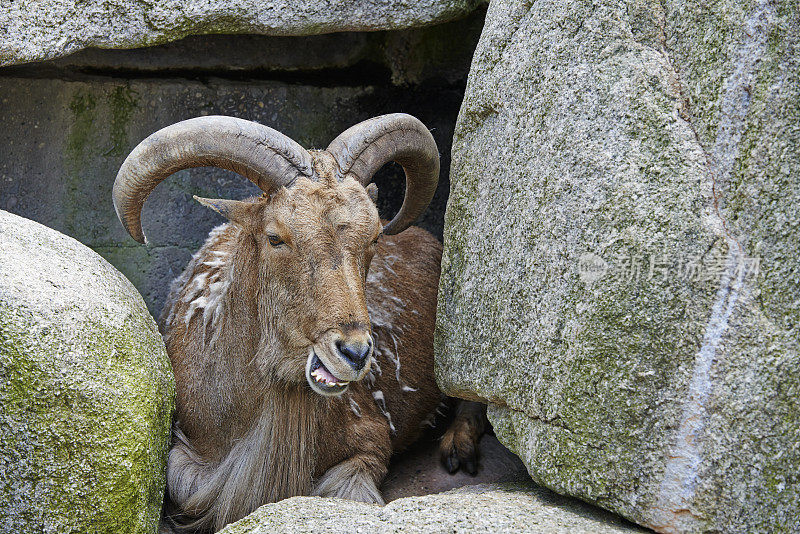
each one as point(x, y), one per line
point(654, 139)
point(87, 389)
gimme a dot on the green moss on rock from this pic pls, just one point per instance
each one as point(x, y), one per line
point(657, 140)
point(86, 386)
point(123, 102)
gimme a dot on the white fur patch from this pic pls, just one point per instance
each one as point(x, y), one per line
point(381, 402)
point(197, 304)
point(195, 288)
point(206, 290)
point(215, 263)
point(354, 407)
point(216, 295)
point(191, 283)
point(374, 370)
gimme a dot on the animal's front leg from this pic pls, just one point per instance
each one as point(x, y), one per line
point(356, 478)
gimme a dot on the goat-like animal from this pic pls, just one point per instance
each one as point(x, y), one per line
point(301, 333)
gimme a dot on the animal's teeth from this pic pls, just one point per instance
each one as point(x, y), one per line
point(320, 378)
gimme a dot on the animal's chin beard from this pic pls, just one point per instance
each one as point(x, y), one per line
point(321, 379)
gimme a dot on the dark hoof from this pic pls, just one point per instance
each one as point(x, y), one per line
point(471, 466)
point(463, 455)
point(451, 463)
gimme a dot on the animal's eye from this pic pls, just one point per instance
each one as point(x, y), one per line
point(274, 240)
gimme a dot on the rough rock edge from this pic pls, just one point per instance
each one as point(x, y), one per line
point(504, 507)
point(37, 32)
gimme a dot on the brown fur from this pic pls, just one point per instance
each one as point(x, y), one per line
point(459, 444)
point(240, 323)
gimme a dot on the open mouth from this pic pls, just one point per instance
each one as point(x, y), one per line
point(321, 380)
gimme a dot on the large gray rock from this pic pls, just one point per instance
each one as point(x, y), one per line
point(501, 508)
point(621, 277)
point(86, 390)
point(34, 30)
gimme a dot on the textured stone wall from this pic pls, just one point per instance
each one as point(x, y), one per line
point(620, 274)
point(67, 125)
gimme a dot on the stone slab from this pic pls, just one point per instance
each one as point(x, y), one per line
point(35, 30)
point(496, 508)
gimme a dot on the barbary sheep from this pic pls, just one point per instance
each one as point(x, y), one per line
point(301, 333)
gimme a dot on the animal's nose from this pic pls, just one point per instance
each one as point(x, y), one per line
point(355, 352)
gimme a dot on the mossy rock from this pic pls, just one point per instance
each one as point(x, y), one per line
point(620, 271)
point(86, 389)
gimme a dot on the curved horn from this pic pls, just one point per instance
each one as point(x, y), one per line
point(262, 155)
point(364, 148)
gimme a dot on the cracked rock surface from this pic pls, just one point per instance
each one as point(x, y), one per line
point(620, 274)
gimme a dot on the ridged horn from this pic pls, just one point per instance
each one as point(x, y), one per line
point(264, 156)
point(364, 148)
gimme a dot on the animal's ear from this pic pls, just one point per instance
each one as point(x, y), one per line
point(244, 214)
point(372, 193)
